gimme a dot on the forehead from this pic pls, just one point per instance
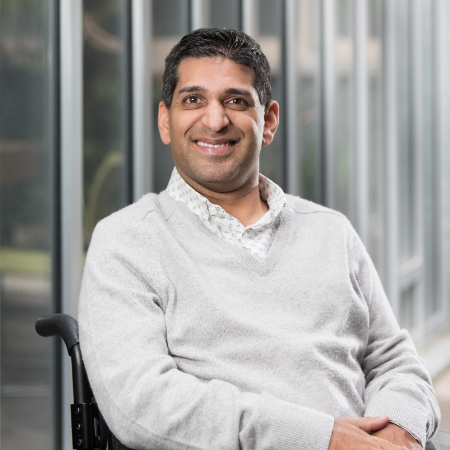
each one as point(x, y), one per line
point(214, 74)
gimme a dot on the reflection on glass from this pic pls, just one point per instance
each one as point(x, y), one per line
point(224, 14)
point(405, 161)
point(26, 137)
point(445, 97)
point(428, 150)
point(375, 130)
point(104, 110)
point(268, 34)
point(442, 384)
point(170, 23)
point(344, 107)
point(407, 317)
point(308, 91)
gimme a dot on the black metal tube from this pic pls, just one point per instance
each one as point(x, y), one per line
point(127, 96)
point(81, 390)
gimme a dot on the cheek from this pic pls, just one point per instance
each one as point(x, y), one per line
point(175, 127)
point(177, 134)
point(259, 126)
point(257, 131)
point(252, 127)
point(182, 124)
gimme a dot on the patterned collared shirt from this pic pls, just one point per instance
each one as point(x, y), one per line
point(256, 238)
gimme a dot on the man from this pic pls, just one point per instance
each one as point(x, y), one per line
point(223, 313)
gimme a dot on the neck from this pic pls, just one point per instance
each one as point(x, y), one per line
point(248, 208)
point(244, 203)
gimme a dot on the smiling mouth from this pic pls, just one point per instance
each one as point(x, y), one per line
point(226, 144)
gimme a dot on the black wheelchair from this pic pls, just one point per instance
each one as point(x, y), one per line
point(89, 429)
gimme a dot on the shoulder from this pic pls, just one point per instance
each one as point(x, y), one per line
point(134, 222)
point(150, 207)
point(300, 206)
point(321, 220)
point(334, 226)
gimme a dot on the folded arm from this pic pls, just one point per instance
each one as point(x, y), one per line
point(397, 382)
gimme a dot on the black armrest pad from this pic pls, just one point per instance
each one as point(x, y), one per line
point(59, 325)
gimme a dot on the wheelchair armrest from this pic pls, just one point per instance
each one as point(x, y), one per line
point(59, 325)
point(89, 430)
point(66, 327)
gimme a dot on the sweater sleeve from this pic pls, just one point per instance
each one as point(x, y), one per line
point(148, 402)
point(397, 382)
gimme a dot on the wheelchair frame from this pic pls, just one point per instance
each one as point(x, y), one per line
point(89, 429)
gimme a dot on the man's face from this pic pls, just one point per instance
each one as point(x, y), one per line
point(216, 124)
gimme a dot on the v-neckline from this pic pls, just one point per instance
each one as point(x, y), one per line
point(260, 265)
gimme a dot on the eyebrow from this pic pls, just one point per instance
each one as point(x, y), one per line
point(190, 90)
point(234, 91)
point(230, 91)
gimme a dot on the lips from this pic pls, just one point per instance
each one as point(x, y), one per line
point(215, 146)
point(205, 144)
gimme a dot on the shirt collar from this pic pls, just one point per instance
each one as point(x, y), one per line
point(270, 192)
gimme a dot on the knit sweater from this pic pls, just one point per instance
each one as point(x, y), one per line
point(190, 342)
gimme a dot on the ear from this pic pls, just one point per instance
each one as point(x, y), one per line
point(271, 120)
point(163, 123)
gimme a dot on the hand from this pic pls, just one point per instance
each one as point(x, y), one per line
point(397, 435)
point(353, 434)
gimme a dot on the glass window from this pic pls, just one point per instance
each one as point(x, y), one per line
point(407, 317)
point(308, 91)
point(170, 23)
point(428, 150)
point(224, 14)
point(442, 385)
point(375, 135)
point(268, 33)
point(445, 97)
point(105, 110)
point(344, 108)
point(405, 162)
point(26, 147)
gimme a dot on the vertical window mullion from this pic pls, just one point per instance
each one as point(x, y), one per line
point(328, 81)
point(55, 185)
point(291, 147)
point(415, 35)
point(390, 156)
point(142, 157)
point(248, 17)
point(438, 160)
point(71, 58)
point(127, 93)
point(360, 111)
point(198, 14)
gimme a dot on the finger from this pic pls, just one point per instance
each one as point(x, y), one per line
point(369, 424)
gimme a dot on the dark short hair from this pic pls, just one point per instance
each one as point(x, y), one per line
point(214, 42)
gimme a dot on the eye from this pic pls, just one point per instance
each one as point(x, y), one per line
point(192, 99)
point(237, 103)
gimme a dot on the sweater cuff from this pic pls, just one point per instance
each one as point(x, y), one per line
point(295, 427)
point(411, 416)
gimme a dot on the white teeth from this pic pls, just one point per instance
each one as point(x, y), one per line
point(202, 144)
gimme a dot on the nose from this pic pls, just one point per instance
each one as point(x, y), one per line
point(215, 117)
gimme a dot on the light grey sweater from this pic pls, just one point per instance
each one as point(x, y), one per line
point(193, 343)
